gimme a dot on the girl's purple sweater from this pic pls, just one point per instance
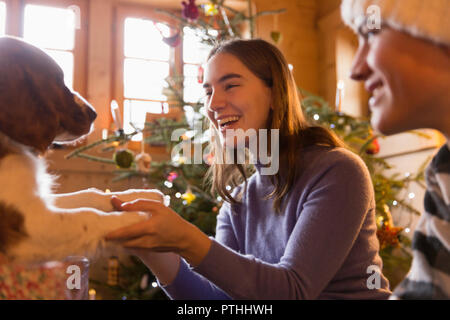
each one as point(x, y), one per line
point(322, 246)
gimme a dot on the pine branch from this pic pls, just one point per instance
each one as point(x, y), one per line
point(93, 158)
point(269, 12)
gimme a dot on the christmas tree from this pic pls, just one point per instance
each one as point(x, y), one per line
point(183, 182)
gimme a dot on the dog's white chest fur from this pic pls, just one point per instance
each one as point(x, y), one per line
point(59, 225)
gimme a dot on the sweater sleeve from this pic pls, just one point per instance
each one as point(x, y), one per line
point(327, 227)
point(189, 285)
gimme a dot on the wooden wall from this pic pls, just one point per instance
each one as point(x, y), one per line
point(299, 37)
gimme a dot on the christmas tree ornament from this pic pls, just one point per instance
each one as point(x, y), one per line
point(389, 236)
point(190, 10)
point(373, 147)
point(113, 271)
point(210, 9)
point(143, 161)
point(188, 196)
point(276, 36)
point(172, 176)
point(123, 158)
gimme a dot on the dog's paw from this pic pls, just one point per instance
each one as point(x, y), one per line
point(134, 194)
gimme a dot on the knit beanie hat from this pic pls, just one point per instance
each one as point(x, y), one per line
point(428, 19)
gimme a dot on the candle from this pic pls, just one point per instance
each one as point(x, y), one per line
point(92, 294)
point(339, 95)
point(105, 134)
point(115, 111)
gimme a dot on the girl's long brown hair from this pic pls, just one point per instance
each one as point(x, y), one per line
point(268, 64)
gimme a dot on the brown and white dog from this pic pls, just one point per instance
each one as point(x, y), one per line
point(37, 109)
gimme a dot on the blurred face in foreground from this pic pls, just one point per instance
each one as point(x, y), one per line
point(409, 79)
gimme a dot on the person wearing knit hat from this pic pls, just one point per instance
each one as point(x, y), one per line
point(404, 60)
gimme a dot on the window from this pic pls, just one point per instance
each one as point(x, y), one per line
point(56, 26)
point(53, 30)
point(146, 65)
point(143, 62)
point(2, 18)
point(195, 54)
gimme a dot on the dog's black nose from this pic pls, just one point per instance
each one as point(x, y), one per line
point(91, 113)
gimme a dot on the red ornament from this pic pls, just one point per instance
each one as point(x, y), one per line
point(373, 147)
point(190, 10)
point(388, 236)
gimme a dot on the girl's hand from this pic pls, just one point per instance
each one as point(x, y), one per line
point(164, 231)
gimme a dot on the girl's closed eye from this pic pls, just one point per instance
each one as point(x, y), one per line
point(231, 86)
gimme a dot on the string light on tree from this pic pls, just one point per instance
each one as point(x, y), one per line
point(168, 184)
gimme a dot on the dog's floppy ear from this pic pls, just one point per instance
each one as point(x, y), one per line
point(12, 227)
point(27, 112)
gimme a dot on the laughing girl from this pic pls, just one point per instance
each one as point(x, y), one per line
point(306, 231)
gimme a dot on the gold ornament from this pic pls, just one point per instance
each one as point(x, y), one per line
point(123, 158)
point(188, 196)
point(276, 36)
